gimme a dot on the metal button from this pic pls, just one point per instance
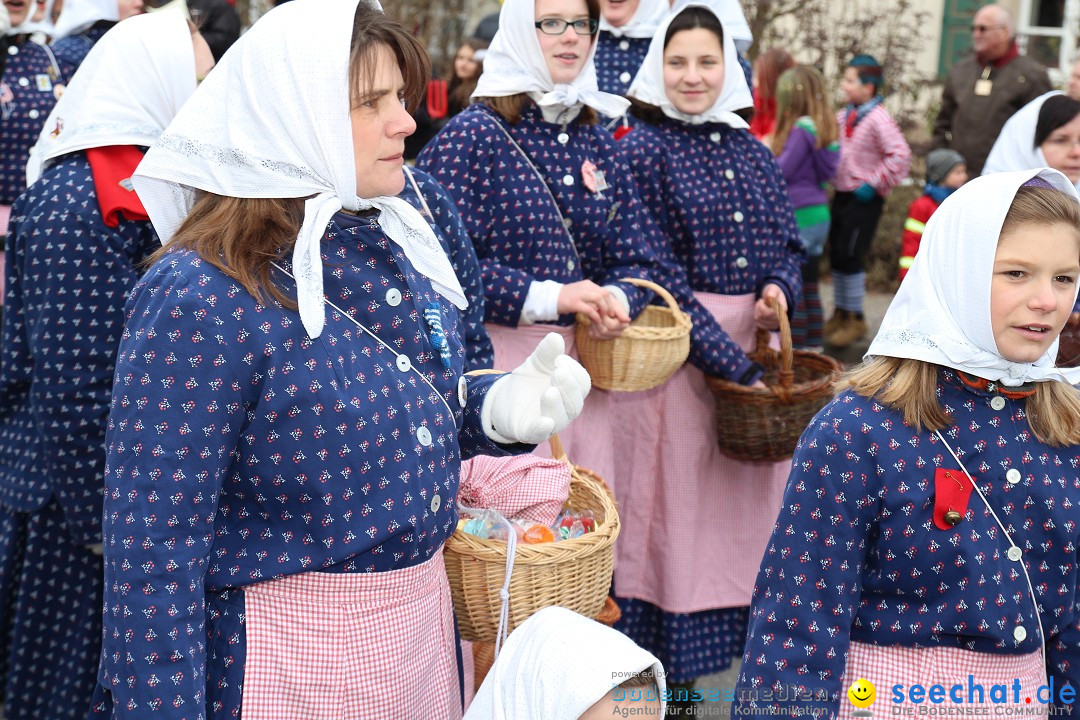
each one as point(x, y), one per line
point(570, 265)
point(953, 518)
point(1015, 553)
point(568, 180)
point(624, 45)
point(741, 263)
point(1019, 633)
point(393, 297)
point(729, 174)
point(997, 402)
point(23, 82)
point(737, 216)
point(567, 222)
point(33, 113)
point(12, 50)
point(715, 137)
point(1013, 476)
point(403, 363)
point(563, 138)
point(423, 435)
point(436, 503)
point(462, 391)
point(625, 77)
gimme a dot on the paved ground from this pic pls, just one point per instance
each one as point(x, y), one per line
point(875, 306)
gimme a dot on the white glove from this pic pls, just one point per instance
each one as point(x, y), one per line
point(538, 399)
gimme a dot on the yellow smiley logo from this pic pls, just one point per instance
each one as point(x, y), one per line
point(861, 693)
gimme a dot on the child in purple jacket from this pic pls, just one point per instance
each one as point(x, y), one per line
point(805, 143)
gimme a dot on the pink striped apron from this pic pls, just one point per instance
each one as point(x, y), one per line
point(885, 667)
point(323, 646)
point(587, 439)
point(694, 522)
point(5, 218)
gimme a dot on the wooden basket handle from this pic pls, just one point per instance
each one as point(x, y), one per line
point(781, 389)
point(664, 294)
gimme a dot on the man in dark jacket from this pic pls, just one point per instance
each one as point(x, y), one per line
point(984, 90)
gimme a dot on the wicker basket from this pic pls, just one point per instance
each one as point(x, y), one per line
point(574, 574)
point(765, 424)
point(646, 354)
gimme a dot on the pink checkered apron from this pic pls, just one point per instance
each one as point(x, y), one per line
point(5, 218)
point(587, 440)
point(327, 646)
point(885, 667)
point(694, 522)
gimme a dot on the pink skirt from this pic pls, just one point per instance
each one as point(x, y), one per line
point(587, 440)
point(352, 645)
point(5, 217)
point(888, 667)
point(694, 522)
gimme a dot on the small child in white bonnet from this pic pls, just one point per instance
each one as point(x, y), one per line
point(559, 665)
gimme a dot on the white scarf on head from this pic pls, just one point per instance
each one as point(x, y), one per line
point(941, 313)
point(272, 121)
point(1015, 147)
point(733, 18)
point(108, 104)
point(80, 15)
point(643, 23)
point(648, 86)
point(558, 664)
point(43, 27)
point(515, 64)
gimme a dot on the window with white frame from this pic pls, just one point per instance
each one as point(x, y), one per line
point(1048, 33)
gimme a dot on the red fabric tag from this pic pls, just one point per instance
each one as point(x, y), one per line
point(438, 99)
point(952, 489)
point(622, 131)
point(113, 167)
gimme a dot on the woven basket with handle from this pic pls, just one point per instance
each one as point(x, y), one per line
point(765, 423)
point(646, 354)
point(574, 573)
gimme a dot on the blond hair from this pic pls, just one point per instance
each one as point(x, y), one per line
point(801, 92)
point(910, 386)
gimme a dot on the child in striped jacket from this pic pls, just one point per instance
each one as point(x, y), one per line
point(874, 158)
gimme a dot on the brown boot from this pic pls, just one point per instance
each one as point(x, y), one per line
point(833, 323)
point(854, 328)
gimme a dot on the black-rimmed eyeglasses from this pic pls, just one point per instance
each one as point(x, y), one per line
point(557, 26)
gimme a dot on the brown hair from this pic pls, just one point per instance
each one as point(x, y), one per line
point(511, 107)
point(910, 386)
point(767, 69)
point(459, 90)
point(800, 92)
point(243, 236)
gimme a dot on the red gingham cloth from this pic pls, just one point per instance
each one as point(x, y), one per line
point(695, 523)
point(522, 486)
point(876, 153)
point(5, 217)
point(352, 646)
point(587, 440)
point(945, 666)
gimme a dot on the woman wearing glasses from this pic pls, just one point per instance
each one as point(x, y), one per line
point(549, 206)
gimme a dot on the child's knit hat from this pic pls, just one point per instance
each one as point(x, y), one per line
point(869, 69)
point(940, 162)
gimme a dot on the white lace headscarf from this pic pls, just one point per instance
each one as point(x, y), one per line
point(272, 121)
point(643, 23)
point(941, 313)
point(79, 15)
point(514, 64)
point(107, 104)
point(558, 664)
point(648, 86)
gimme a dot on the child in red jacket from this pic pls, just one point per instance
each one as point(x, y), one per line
point(945, 172)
